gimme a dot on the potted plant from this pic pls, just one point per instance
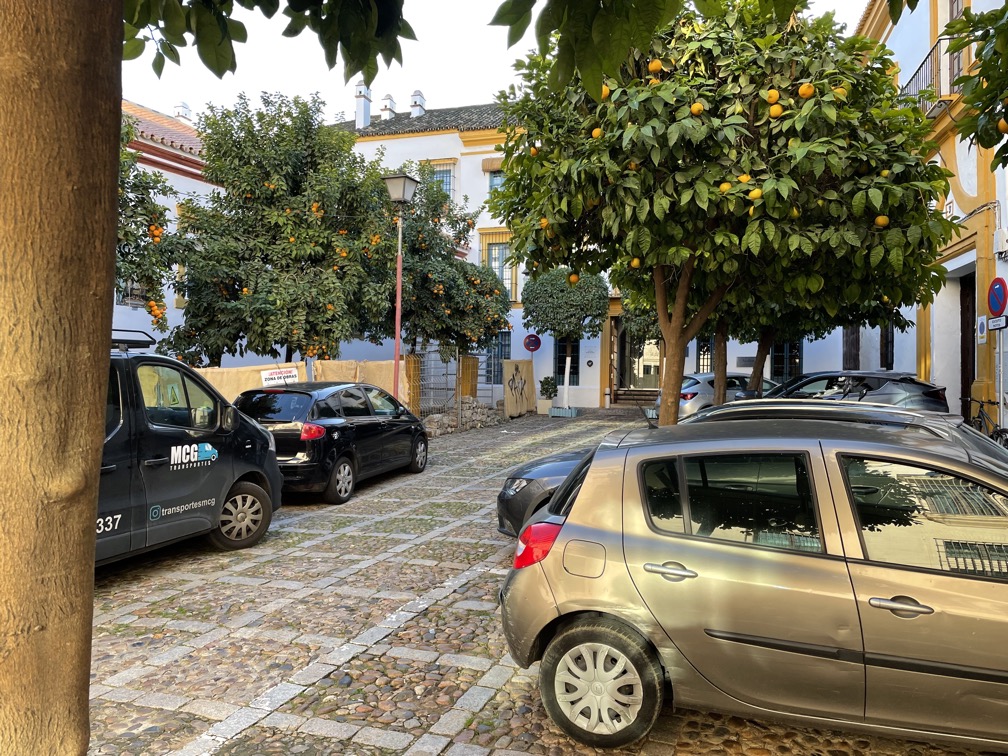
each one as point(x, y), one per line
point(548, 392)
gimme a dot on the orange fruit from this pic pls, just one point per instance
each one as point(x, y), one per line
point(744, 178)
point(806, 90)
point(885, 173)
point(696, 108)
point(635, 263)
point(632, 166)
point(652, 81)
point(654, 66)
point(1003, 126)
point(776, 111)
point(725, 186)
point(840, 92)
point(533, 151)
point(795, 212)
point(543, 222)
point(772, 96)
point(573, 278)
point(596, 132)
point(755, 194)
point(605, 92)
point(882, 221)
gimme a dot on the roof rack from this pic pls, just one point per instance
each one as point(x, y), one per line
point(124, 338)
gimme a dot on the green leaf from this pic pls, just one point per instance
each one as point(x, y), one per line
point(896, 259)
point(158, 63)
point(133, 49)
point(877, 253)
point(858, 203)
point(173, 21)
point(875, 196)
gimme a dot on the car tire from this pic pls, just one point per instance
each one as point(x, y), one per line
point(342, 482)
point(632, 700)
point(418, 458)
point(244, 518)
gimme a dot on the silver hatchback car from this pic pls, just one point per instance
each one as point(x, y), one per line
point(697, 391)
point(832, 573)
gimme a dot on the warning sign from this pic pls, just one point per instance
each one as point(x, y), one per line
point(173, 396)
point(279, 376)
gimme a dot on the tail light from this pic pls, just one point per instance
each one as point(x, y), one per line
point(687, 397)
point(310, 431)
point(535, 543)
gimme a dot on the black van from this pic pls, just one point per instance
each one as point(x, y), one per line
point(178, 461)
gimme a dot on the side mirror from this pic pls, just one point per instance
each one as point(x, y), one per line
point(748, 394)
point(229, 421)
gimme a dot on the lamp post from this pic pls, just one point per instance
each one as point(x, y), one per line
point(400, 188)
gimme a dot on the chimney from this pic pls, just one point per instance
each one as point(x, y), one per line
point(363, 95)
point(388, 109)
point(418, 106)
point(183, 112)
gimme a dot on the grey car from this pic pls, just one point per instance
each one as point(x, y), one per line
point(529, 487)
point(825, 571)
point(697, 391)
point(878, 386)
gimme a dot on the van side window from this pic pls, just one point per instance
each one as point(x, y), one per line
point(661, 494)
point(113, 404)
point(171, 398)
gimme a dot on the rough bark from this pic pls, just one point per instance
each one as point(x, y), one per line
point(763, 346)
point(720, 361)
point(677, 331)
point(59, 146)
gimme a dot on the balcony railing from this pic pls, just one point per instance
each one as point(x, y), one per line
point(933, 82)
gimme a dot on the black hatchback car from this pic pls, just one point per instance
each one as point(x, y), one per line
point(330, 435)
point(877, 386)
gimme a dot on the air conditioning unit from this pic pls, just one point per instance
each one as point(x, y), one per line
point(942, 104)
point(1001, 244)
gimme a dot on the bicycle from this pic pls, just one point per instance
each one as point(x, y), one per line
point(985, 423)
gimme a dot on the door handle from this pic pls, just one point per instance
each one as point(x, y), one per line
point(901, 606)
point(672, 571)
point(107, 468)
point(156, 461)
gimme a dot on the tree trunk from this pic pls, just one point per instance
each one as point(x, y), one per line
point(59, 153)
point(720, 361)
point(677, 331)
point(763, 346)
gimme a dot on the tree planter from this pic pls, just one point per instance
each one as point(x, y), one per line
point(543, 406)
point(563, 411)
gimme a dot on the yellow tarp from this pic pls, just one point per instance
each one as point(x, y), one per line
point(233, 380)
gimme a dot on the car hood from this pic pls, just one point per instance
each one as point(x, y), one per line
point(553, 466)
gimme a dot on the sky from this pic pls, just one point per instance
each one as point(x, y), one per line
point(458, 59)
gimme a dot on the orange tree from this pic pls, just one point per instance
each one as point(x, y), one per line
point(445, 299)
point(567, 305)
point(985, 85)
point(732, 152)
point(145, 248)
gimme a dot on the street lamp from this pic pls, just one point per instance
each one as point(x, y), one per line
point(400, 188)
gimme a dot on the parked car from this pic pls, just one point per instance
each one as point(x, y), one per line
point(809, 569)
point(178, 460)
point(330, 435)
point(879, 386)
point(697, 391)
point(530, 486)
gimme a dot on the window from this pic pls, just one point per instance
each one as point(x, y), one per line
point(499, 351)
point(762, 499)
point(496, 179)
point(560, 361)
point(113, 404)
point(382, 402)
point(354, 404)
point(661, 495)
point(785, 360)
point(443, 176)
point(495, 249)
point(172, 398)
point(275, 406)
point(930, 519)
point(705, 355)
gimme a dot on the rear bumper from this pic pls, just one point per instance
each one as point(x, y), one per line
point(303, 476)
point(527, 607)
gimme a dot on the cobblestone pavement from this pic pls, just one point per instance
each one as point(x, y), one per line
point(370, 628)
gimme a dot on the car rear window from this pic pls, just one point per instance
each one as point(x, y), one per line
point(275, 406)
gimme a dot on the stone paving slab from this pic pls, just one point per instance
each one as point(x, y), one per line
point(370, 628)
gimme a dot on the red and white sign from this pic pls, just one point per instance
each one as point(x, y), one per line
point(279, 376)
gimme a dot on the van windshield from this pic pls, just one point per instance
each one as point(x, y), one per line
point(275, 406)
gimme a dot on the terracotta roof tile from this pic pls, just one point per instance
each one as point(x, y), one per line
point(163, 129)
point(466, 118)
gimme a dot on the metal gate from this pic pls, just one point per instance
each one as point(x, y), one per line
point(439, 383)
